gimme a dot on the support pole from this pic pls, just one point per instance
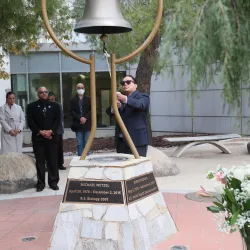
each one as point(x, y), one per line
point(93, 108)
point(116, 112)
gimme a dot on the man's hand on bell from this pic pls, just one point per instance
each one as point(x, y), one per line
point(121, 97)
point(119, 104)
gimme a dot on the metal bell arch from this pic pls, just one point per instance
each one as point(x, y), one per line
point(102, 17)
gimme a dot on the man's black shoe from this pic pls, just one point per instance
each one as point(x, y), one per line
point(39, 189)
point(54, 187)
point(62, 167)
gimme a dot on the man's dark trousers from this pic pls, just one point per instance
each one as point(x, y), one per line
point(45, 149)
point(123, 148)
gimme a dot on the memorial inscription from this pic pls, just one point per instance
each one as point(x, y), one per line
point(140, 187)
point(79, 191)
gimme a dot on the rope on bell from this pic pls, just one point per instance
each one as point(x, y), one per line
point(105, 52)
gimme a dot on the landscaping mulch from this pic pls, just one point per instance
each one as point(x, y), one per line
point(108, 143)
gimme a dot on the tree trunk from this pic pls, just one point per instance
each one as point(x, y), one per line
point(145, 71)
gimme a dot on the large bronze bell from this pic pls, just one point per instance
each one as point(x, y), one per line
point(102, 17)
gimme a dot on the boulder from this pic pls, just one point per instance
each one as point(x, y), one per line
point(17, 173)
point(162, 165)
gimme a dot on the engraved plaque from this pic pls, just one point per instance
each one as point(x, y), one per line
point(140, 187)
point(81, 191)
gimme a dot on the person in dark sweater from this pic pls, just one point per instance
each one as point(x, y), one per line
point(80, 109)
point(44, 119)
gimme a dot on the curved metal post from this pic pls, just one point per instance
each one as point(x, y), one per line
point(115, 109)
point(54, 38)
point(93, 108)
point(91, 62)
point(150, 37)
point(115, 61)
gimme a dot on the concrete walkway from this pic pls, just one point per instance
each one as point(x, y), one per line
point(193, 165)
point(29, 213)
point(34, 217)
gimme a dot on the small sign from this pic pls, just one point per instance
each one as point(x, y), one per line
point(140, 187)
point(81, 191)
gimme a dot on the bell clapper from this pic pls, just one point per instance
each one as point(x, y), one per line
point(104, 39)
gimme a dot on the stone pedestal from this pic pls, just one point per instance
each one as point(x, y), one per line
point(111, 202)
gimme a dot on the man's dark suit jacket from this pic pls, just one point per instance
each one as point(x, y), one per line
point(60, 129)
point(43, 116)
point(76, 113)
point(134, 116)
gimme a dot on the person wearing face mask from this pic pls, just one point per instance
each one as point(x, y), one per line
point(12, 121)
point(80, 109)
point(44, 119)
point(133, 107)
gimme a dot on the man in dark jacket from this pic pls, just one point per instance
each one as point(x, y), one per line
point(133, 107)
point(43, 119)
point(60, 131)
point(80, 109)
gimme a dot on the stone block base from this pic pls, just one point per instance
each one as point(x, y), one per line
point(138, 224)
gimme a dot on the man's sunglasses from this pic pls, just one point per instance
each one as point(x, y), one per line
point(127, 82)
point(43, 92)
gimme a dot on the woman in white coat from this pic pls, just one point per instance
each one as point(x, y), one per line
point(12, 121)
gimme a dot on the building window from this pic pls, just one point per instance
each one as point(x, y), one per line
point(49, 80)
point(103, 94)
point(18, 86)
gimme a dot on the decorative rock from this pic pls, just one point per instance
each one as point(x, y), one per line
point(77, 173)
point(113, 174)
point(65, 207)
point(127, 241)
point(141, 236)
point(99, 245)
point(129, 172)
point(156, 234)
point(116, 213)
point(99, 211)
point(112, 224)
point(153, 214)
point(146, 205)
point(112, 231)
point(159, 200)
point(17, 173)
point(91, 229)
point(140, 169)
point(133, 211)
point(87, 213)
point(166, 224)
point(83, 206)
point(94, 173)
point(162, 165)
point(66, 230)
point(148, 166)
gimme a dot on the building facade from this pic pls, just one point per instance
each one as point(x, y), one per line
point(170, 101)
point(59, 73)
